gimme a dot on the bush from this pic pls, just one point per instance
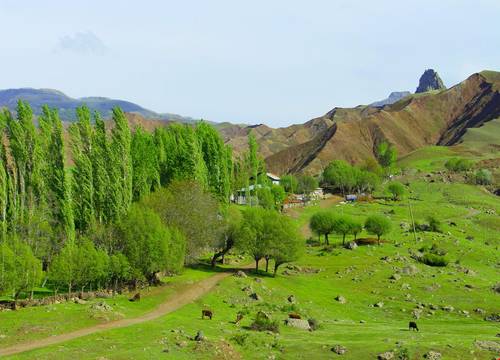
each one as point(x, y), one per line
point(263, 322)
point(483, 177)
point(434, 224)
point(458, 165)
point(434, 260)
point(240, 339)
point(377, 225)
point(396, 189)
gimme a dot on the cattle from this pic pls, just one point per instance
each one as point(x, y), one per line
point(207, 313)
point(412, 326)
point(136, 297)
point(294, 316)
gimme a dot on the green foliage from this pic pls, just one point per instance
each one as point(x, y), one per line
point(146, 171)
point(378, 225)
point(290, 183)
point(458, 165)
point(386, 154)
point(434, 224)
point(263, 322)
point(396, 189)
point(306, 184)
point(341, 176)
point(342, 225)
point(321, 223)
point(186, 206)
point(483, 177)
point(355, 227)
point(434, 260)
point(266, 198)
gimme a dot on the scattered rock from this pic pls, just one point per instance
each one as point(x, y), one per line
point(404, 226)
point(409, 270)
point(480, 311)
point(298, 323)
point(395, 277)
point(448, 308)
point(493, 317)
point(240, 274)
point(351, 245)
point(416, 313)
point(258, 280)
point(433, 355)
point(199, 336)
point(181, 344)
point(496, 288)
point(388, 355)
point(489, 345)
point(341, 299)
point(255, 296)
point(380, 304)
point(291, 299)
point(80, 301)
point(339, 349)
point(101, 306)
point(362, 322)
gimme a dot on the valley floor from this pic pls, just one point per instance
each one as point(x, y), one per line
point(450, 302)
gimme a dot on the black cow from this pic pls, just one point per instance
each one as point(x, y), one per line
point(412, 326)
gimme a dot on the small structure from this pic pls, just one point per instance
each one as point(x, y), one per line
point(275, 179)
point(292, 202)
point(317, 194)
point(351, 198)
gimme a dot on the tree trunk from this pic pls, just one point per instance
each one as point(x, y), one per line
point(267, 263)
point(257, 265)
point(276, 265)
point(343, 239)
point(378, 239)
point(326, 240)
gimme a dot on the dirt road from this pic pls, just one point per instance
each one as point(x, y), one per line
point(186, 296)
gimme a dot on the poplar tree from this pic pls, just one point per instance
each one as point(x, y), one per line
point(146, 176)
point(82, 179)
point(104, 208)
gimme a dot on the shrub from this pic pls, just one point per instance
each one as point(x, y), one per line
point(240, 339)
point(458, 165)
point(483, 177)
point(396, 189)
point(434, 260)
point(434, 224)
point(403, 354)
point(263, 322)
point(377, 225)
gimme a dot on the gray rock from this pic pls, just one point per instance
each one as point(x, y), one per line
point(199, 336)
point(432, 355)
point(339, 349)
point(489, 345)
point(380, 304)
point(448, 308)
point(291, 299)
point(255, 296)
point(395, 277)
point(430, 80)
point(351, 245)
point(388, 355)
point(341, 299)
point(298, 323)
point(240, 274)
point(410, 270)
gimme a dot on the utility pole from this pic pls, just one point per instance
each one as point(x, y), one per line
point(412, 220)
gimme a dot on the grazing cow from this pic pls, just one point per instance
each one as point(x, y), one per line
point(206, 313)
point(137, 297)
point(239, 317)
point(412, 326)
point(294, 316)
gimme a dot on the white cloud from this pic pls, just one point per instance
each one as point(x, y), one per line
point(82, 43)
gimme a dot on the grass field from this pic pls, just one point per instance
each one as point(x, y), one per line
point(361, 275)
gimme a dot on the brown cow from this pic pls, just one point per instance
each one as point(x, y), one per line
point(207, 313)
point(136, 297)
point(294, 316)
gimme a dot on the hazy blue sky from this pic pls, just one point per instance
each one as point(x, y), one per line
point(273, 62)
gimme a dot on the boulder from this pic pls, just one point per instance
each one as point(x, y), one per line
point(339, 349)
point(240, 274)
point(395, 277)
point(101, 306)
point(448, 308)
point(380, 304)
point(341, 299)
point(429, 80)
point(199, 336)
point(80, 301)
point(488, 345)
point(388, 355)
point(291, 299)
point(351, 245)
point(409, 270)
point(433, 355)
point(255, 296)
point(493, 317)
point(298, 323)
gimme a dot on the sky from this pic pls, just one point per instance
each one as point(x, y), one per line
point(276, 62)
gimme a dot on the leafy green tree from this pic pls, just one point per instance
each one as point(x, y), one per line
point(231, 223)
point(355, 227)
point(82, 172)
point(266, 198)
point(285, 244)
point(290, 183)
point(251, 235)
point(146, 172)
point(64, 267)
point(342, 225)
point(119, 270)
point(121, 161)
point(340, 176)
point(146, 242)
point(378, 225)
point(306, 184)
point(396, 189)
point(366, 181)
point(322, 222)
point(386, 154)
point(279, 195)
point(186, 206)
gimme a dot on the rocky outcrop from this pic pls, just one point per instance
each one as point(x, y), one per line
point(394, 96)
point(430, 80)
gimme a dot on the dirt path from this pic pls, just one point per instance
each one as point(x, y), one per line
point(186, 296)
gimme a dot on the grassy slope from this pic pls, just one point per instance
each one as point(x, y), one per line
point(358, 275)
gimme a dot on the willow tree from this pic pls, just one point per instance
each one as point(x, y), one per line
point(82, 173)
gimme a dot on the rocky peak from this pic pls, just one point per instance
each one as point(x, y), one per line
point(430, 80)
point(394, 96)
